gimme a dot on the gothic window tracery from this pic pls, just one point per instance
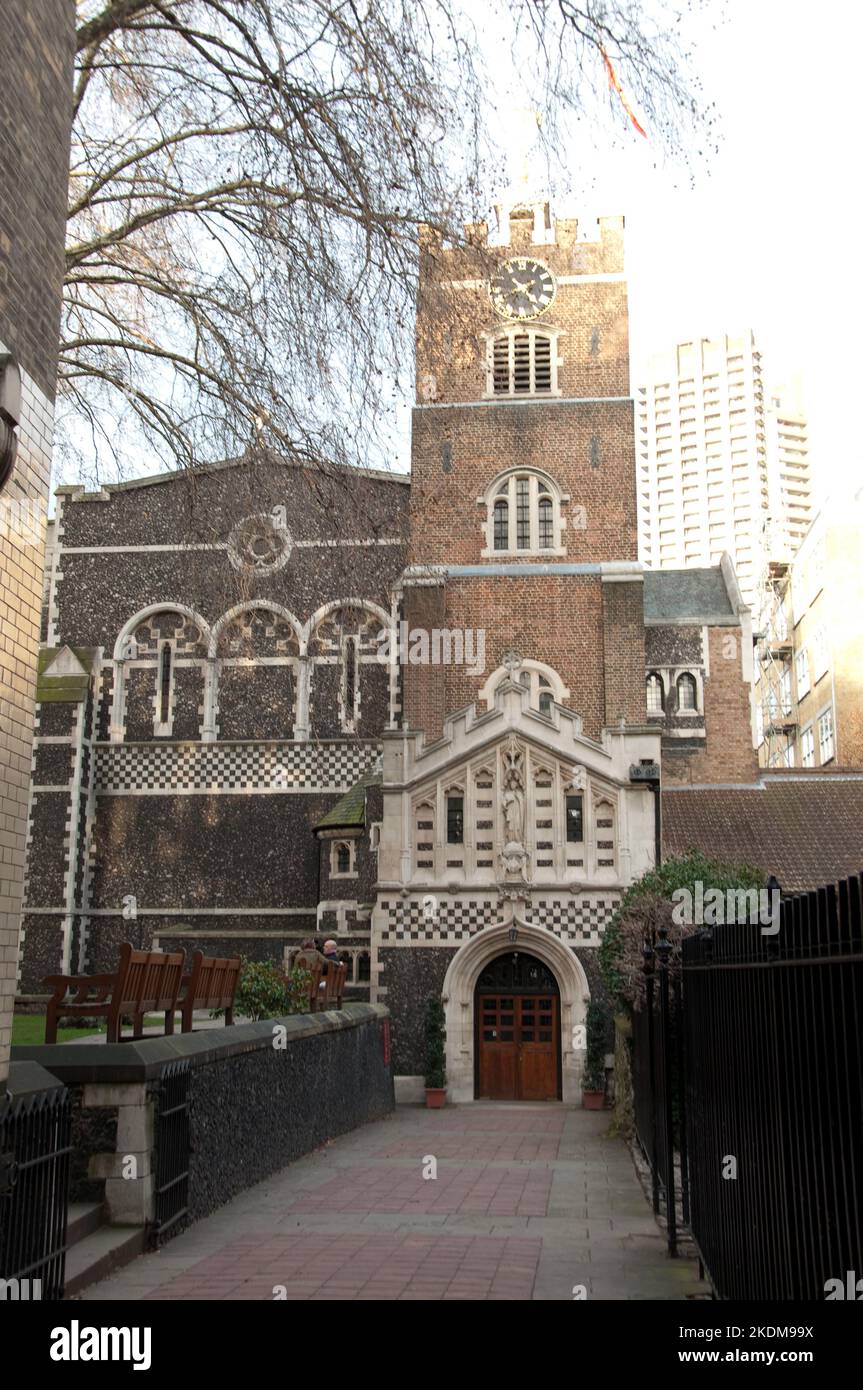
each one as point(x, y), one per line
point(257, 666)
point(350, 682)
point(160, 678)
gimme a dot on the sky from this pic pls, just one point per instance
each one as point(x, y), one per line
point(763, 234)
point(769, 236)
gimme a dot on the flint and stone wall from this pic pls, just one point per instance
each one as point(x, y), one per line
point(331, 1075)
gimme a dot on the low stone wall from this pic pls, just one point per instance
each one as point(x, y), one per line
point(260, 1095)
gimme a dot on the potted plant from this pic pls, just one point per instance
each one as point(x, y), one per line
point(593, 1079)
point(435, 1037)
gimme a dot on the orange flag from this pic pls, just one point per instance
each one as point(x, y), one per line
point(615, 86)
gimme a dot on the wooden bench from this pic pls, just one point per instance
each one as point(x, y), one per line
point(211, 984)
point(145, 982)
point(327, 983)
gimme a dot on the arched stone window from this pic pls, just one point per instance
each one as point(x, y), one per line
point(655, 694)
point(351, 679)
point(159, 675)
point(545, 685)
point(522, 361)
point(523, 515)
point(256, 672)
point(364, 967)
point(687, 694)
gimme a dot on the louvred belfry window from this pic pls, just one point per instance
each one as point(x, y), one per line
point(522, 364)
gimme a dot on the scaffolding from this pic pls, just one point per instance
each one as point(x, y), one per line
point(774, 650)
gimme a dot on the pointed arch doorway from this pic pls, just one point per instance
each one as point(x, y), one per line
point(517, 1024)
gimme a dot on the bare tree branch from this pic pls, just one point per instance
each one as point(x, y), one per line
point(248, 180)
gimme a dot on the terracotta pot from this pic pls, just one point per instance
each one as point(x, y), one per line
point(593, 1100)
point(435, 1097)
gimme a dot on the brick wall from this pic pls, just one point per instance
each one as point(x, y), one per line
point(727, 754)
point(36, 41)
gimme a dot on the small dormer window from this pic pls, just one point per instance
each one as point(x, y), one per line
point(343, 862)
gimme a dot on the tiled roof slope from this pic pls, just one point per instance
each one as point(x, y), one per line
point(686, 596)
point(350, 811)
point(806, 829)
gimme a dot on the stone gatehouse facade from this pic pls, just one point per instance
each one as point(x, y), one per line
point(430, 716)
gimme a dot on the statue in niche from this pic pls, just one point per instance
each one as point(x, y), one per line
point(513, 811)
point(514, 857)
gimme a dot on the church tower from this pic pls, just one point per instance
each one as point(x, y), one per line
point(523, 492)
point(518, 797)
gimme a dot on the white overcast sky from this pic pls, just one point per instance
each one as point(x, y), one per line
point(769, 236)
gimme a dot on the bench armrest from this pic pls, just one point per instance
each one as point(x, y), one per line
point(80, 985)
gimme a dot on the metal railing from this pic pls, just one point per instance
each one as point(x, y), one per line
point(35, 1129)
point(172, 1149)
point(756, 1078)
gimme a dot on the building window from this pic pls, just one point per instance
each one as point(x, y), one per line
point(522, 362)
point(165, 665)
point(820, 653)
point(807, 747)
point(785, 690)
point(501, 524)
point(655, 695)
point(802, 664)
point(523, 515)
point(544, 684)
point(455, 820)
point(687, 694)
point(825, 736)
point(343, 859)
point(349, 683)
point(574, 819)
point(541, 695)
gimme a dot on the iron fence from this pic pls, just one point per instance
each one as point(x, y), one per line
point(747, 1060)
point(172, 1148)
point(35, 1130)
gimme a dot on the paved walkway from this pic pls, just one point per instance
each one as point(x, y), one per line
point(528, 1202)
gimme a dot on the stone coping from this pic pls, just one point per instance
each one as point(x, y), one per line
point(28, 1078)
point(144, 1059)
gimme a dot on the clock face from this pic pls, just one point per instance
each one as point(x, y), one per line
point(522, 288)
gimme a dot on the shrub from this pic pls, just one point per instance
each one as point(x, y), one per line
point(647, 905)
point(265, 991)
point(594, 1061)
point(435, 1037)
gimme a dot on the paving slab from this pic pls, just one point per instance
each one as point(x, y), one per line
point(528, 1202)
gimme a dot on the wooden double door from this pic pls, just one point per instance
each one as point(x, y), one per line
point(518, 1030)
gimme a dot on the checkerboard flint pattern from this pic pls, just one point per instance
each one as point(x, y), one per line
point(580, 919)
point(182, 768)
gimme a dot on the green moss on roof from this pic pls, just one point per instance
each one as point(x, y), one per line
point(66, 689)
point(349, 811)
